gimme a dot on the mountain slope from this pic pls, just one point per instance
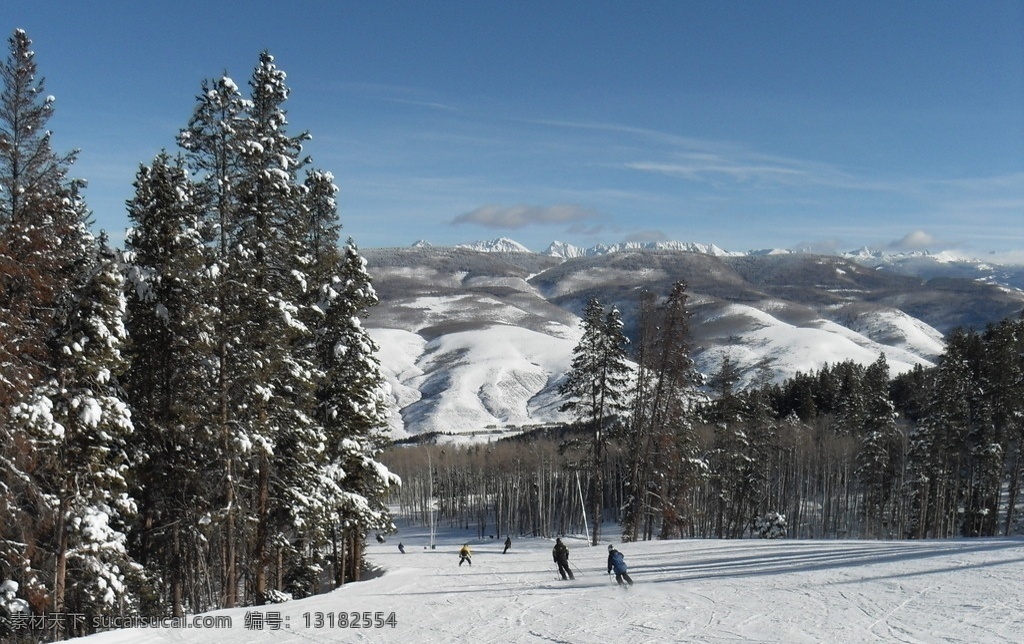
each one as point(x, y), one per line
point(476, 341)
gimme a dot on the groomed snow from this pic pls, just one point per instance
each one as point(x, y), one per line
point(708, 591)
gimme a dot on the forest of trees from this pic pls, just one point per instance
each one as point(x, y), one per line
point(195, 421)
point(845, 452)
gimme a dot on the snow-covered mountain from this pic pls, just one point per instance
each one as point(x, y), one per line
point(500, 245)
point(946, 264)
point(475, 339)
point(568, 251)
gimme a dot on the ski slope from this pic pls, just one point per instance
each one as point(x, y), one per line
point(686, 591)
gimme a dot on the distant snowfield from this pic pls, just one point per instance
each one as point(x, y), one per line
point(467, 381)
point(686, 591)
point(790, 349)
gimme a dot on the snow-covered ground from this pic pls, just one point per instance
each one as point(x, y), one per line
point(685, 591)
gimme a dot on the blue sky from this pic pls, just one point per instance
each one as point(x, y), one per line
point(784, 124)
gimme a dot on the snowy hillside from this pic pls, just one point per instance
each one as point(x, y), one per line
point(789, 348)
point(784, 591)
point(476, 380)
point(474, 340)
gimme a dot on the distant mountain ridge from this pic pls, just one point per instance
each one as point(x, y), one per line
point(568, 251)
point(476, 338)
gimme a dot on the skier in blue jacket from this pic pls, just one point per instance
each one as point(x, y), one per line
point(617, 563)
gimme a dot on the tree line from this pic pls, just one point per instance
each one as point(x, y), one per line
point(194, 422)
point(665, 452)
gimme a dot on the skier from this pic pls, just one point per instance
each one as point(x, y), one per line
point(618, 563)
point(508, 544)
point(561, 556)
point(401, 548)
point(464, 555)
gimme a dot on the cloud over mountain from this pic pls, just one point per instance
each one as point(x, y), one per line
point(520, 215)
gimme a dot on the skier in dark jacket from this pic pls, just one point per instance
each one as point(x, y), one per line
point(508, 544)
point(561, 556)
point(617, 563)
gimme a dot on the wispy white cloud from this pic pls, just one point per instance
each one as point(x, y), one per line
point(723, 162)
point(917, 240)
point(704, 168)
point(521, 215)
point(399, 94)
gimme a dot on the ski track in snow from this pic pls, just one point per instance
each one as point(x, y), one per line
point(704, 591)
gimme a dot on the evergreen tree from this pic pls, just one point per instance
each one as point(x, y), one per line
point(78, 426)
point(986, 438)
point(661, 444)
point(745, 435)
point(938, 446)
point(40, 229)
point(848, 407)
point(353, 408)
point(595, 389)
point(1004, 373)
point(288, 468)
point(169, 320)
point(213, 141)
point(731, 453)
point(880, 459)
point(763, 430)
point(52, 386)
point(274, 354)
point(321, 235)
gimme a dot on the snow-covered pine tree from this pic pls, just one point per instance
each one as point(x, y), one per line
point(351, 398)
point(47, 390)
point(353, 407)
point(732, 451)
point(848, 406)
point(213, 142)
point(1004, 373)
point(78, 427)
point(986, 441)
point(321, 234)
point(763, 433)
point(595, 389)
point(938, 446)
point(170, 316)
point(275, 352)
point(35, 219)
point(274, 243)
point(880, 459)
